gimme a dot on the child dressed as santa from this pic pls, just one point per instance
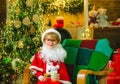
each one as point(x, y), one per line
point(48, 64)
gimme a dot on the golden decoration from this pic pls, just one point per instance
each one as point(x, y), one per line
point(35, 18)
point(29, 3)
point(13, 2)
point(9, 22)
point(17, 10)
point(32, 29)
point(28, 47)
point(17, 24)
point(20, 44)
point(26, 21)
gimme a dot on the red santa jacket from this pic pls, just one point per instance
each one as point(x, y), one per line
point(39, 66)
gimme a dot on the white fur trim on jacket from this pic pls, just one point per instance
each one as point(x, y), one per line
point(50, 30)
point(36, 68)
point(65, 82)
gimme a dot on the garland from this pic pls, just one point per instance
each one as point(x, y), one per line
point(71, 6)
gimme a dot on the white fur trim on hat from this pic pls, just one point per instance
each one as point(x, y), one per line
point(60, 18)
point(50, 30)
point(35, 68)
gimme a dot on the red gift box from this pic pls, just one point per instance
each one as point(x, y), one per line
point(113, 80)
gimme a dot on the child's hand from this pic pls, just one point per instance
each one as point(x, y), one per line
point(55, 77)
point(42, 78)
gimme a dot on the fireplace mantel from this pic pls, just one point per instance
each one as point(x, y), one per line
point(111, 33)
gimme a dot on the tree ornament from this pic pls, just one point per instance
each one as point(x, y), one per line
point(17, 24)
point(28, 47)
point(12, 2)
point(20, 44)
point(32, 29)
point(26, 21)
point(9, 22)
point(35, 18)
point(29, 3)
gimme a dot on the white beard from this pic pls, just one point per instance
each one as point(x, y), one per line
point(56, 54)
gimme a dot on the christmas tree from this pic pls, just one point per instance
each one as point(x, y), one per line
point(20, 38)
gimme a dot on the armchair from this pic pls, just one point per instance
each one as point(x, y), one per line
point(86, 61)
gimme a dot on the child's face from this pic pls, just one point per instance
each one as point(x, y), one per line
point(51, 41)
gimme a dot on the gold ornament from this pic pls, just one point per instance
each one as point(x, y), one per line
point(13, 2)
point(9, 22)
point(32, 29)
point(35, 18)
point(26, 21)
point(28, 47)
point(29, 3)
point(17, 10)
point(35, 39)
point(20, 44)
point(17, 24)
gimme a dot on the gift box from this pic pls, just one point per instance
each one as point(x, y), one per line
point(116, 59)
point(113, 80)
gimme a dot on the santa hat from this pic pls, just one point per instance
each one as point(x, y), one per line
point(51, 30)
